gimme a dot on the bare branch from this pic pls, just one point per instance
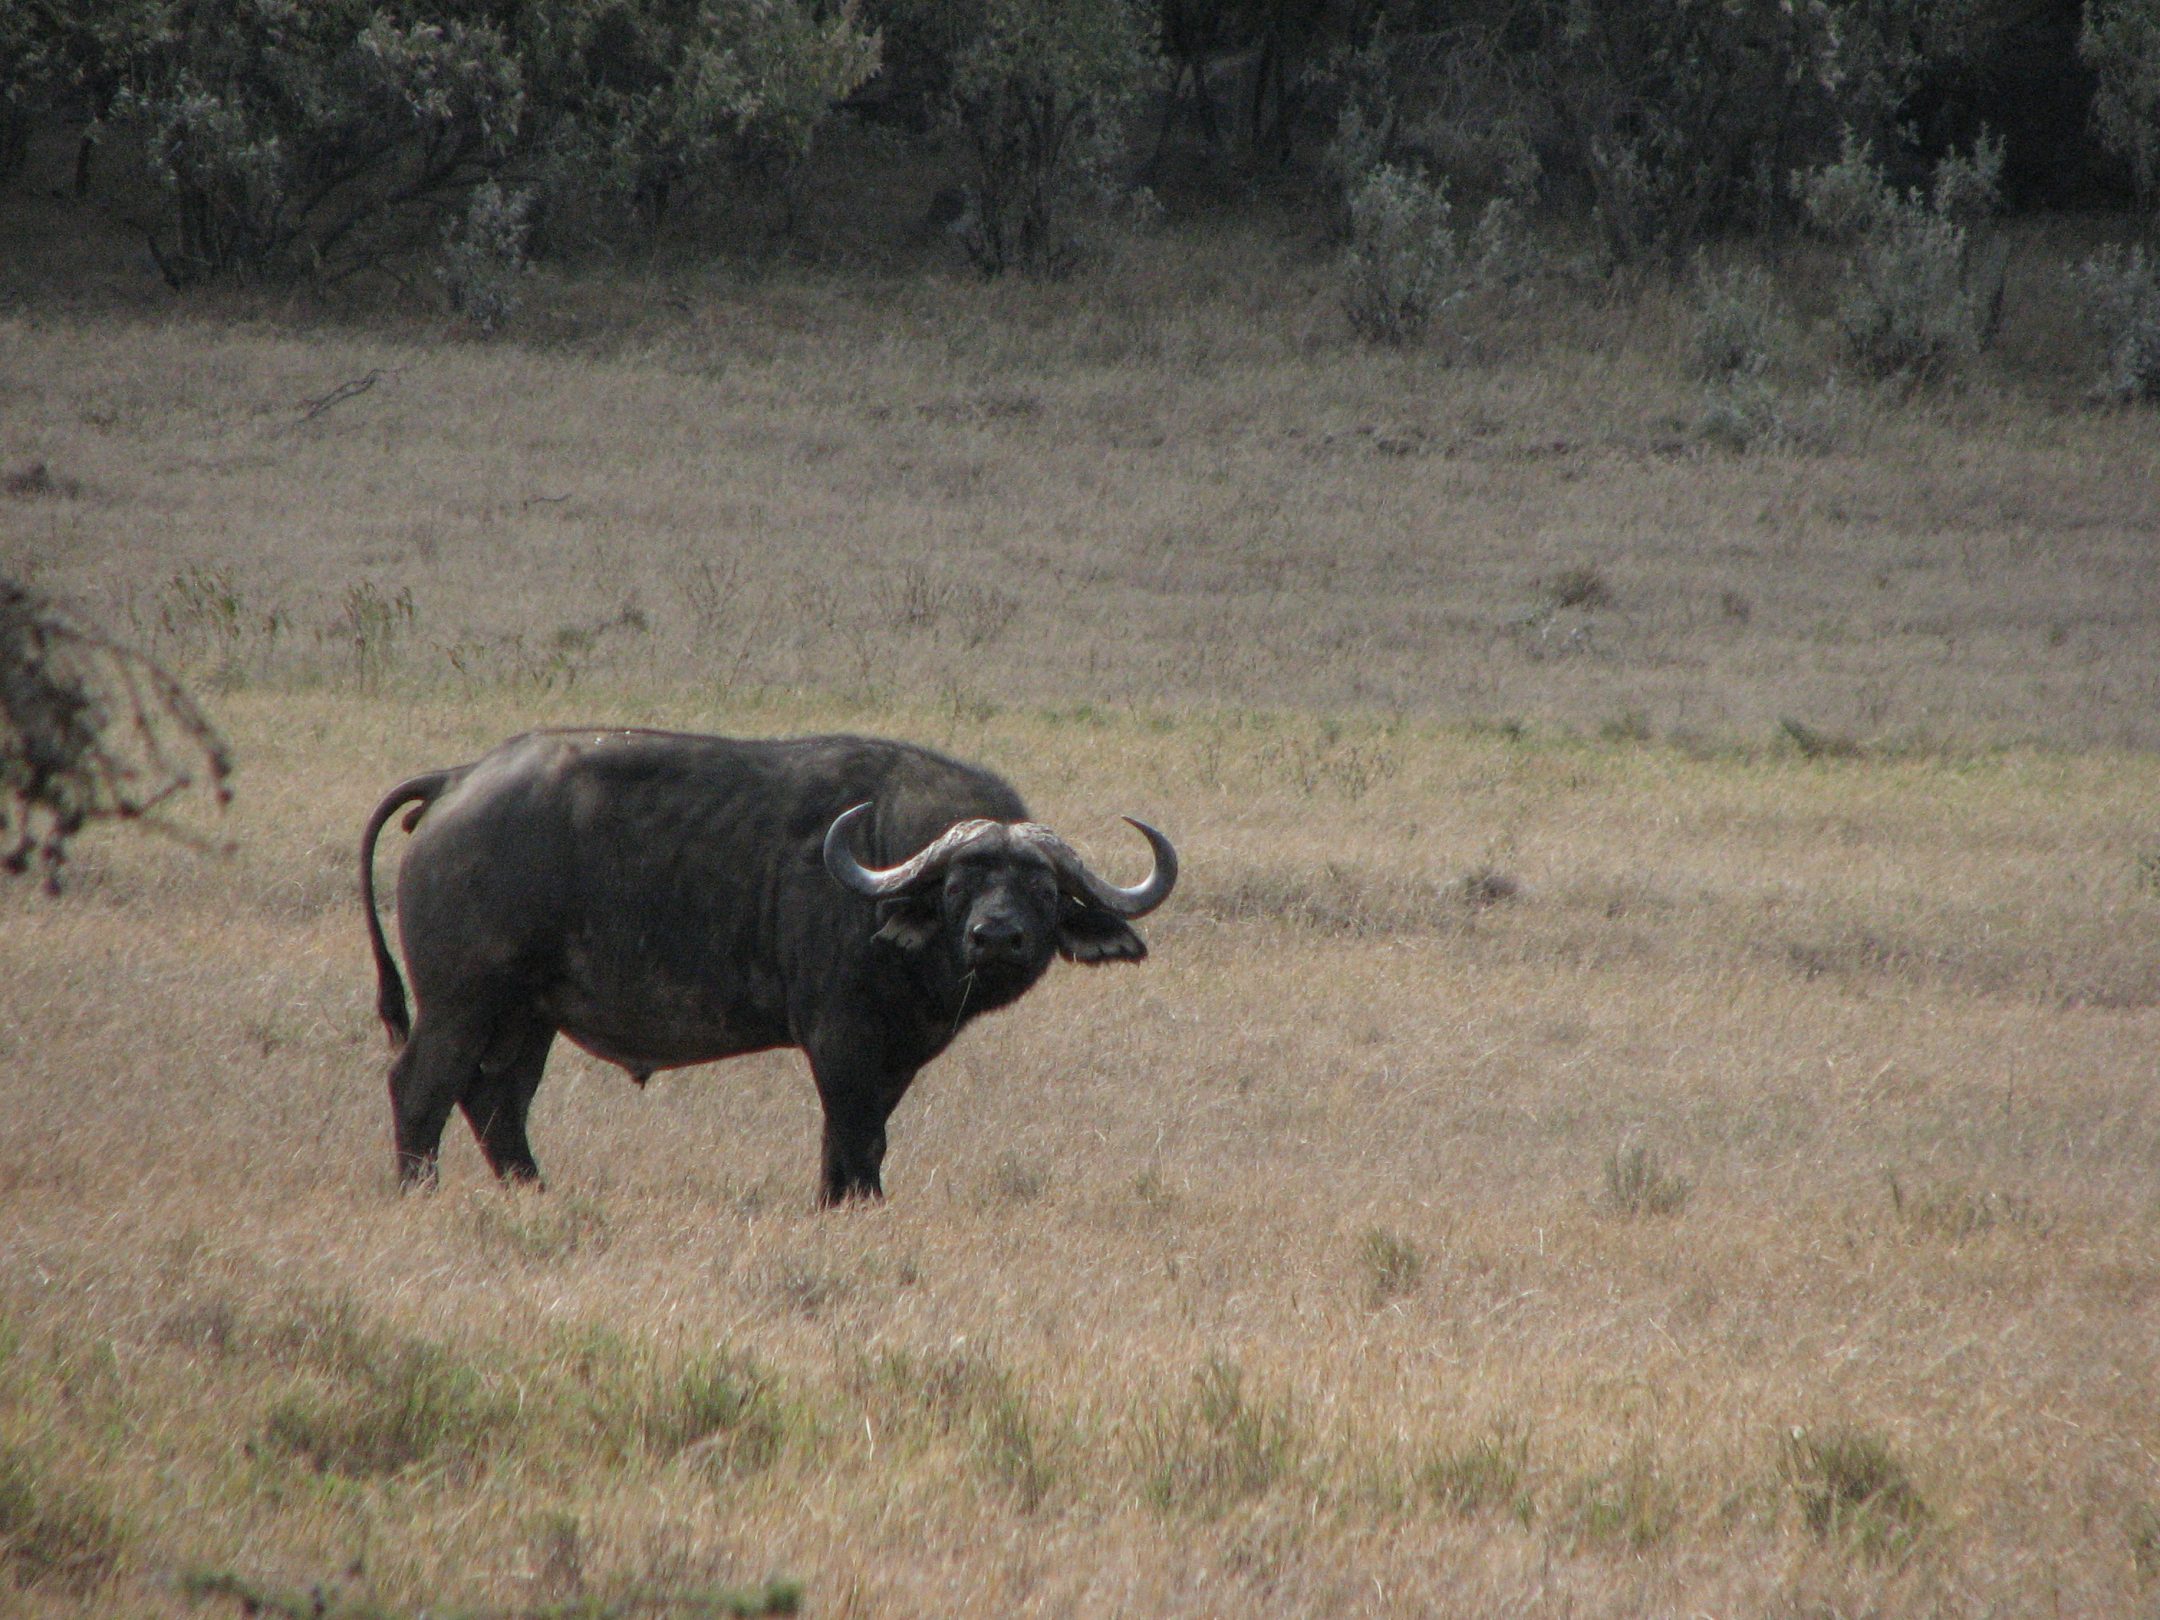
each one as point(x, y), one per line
point(349, 389)
point(89, 730)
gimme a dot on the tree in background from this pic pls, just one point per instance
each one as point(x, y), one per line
point(280, 137)
point(1039, 93)
point(271, 139)
point(659, 102)
point(2120, 42)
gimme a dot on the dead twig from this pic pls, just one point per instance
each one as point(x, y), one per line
point(349, 389)
point(89, 730)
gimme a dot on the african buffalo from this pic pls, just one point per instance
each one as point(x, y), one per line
point(666, 899)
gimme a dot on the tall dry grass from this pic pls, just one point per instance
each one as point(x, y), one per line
point(1578, 1146)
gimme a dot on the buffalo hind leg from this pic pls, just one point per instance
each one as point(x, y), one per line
point(437, 1067)
point(500, 1097)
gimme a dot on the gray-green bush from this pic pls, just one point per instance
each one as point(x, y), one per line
point(1407, 264)
point(483, 256)
point(1924, 271)
point(2119, 291)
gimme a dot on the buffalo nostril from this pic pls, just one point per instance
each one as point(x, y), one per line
point(996, 938)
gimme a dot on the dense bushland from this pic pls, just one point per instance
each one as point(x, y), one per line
point(264, 139)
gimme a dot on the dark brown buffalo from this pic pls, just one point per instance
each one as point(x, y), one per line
point(665, 899)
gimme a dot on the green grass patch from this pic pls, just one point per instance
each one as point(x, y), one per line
point(1219, 1446)
point(1852, 1489)
point(536, 1230)
point(1390, 1266)
point(1486, 1475)
point(321, 1603)
point(1631, 1504)
point(1954, 1211)
point(54, 1529)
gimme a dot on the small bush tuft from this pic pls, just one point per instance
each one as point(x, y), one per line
point(1583, 586)
point(1014, 1180)
point(1954, 1212)
point(1391, 1266)
point(53, 1530)
point(1406, 264)
point(717, 1407)
point(1632, 1503)
point(1814, 743)
point(538, 1231)
point(1635, 1184)
point(1740, 324)
point(390, 1400)
point(2144, 1534)
point(483, 256)
point(1487, 886)
point(1852, 1488)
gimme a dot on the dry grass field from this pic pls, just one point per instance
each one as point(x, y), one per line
point(1582, 1145)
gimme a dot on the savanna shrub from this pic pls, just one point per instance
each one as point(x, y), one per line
point(1407, 264)
point(2121, 303)
point(1679, 118)
point(483, 256)
point(1739, 323)
point(1452, 100)
point(1924, 274)
point(1741, 332)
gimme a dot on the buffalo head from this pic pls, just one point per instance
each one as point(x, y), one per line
point(1001, 897)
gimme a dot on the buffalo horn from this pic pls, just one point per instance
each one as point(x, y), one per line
point(1137, 901)
point(891, 882)
point(922, 868)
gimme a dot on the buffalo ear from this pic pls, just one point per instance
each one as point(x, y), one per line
point(909, 924)
point(1088, 934)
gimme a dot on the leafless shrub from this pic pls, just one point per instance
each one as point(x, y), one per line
point(89, 730)
point(711, 590)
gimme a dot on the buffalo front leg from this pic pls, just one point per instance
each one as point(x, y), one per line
point(857, 1104)
point(499, 1099)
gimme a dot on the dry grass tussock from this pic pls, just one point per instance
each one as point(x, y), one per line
point(1577, 1148)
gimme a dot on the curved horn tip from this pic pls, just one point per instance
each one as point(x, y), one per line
point(1152, 891)
point(840, 859)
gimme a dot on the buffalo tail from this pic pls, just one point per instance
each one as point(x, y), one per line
point(389, 987)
